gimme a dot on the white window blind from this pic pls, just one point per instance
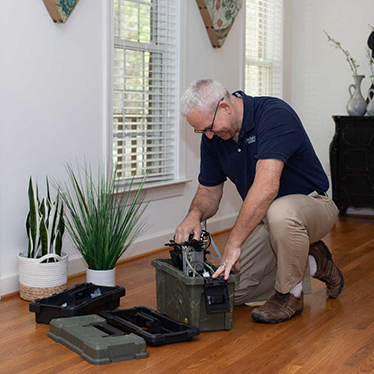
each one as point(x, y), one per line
point(145, 89)
point(264, 47)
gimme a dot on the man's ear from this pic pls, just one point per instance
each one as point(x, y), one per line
point(226, 106)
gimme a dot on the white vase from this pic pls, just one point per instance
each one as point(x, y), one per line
point(356, 105)
point(370, 106)
point(41, 279)
point(101, 277)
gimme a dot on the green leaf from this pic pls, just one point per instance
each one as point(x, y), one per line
point(44, 237)
point(49, 201)
point(28, 231)
point(37, 195)
point(42, 208)
point(54, 224)
point(60, 231)
point(33, 221)
point(58, 245)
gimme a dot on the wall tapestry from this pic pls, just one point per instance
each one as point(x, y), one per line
point(60, 10)
point(218, 17)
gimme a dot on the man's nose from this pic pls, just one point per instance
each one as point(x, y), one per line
point(209, 134)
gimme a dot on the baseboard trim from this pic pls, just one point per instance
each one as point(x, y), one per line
point(144, 247)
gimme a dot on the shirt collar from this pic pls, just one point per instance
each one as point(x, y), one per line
point(248, 121)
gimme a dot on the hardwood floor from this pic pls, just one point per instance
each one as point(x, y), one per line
point(331, 336)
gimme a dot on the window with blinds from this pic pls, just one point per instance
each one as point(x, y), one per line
point(264, 47)
point(145, 89)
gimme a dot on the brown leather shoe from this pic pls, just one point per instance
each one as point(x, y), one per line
point(279, 308)
point(327, 271)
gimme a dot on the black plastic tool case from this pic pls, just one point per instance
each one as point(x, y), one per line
point(153, 327)
point(82, 299)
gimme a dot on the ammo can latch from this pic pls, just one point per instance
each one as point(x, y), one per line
point(216, 295)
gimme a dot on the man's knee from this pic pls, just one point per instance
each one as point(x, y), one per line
point(281, 218)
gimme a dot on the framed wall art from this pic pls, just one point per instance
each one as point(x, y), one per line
point(60, 10)
point(218, 17)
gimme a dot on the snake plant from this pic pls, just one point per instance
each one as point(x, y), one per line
point(45, 223)
point(101, 219)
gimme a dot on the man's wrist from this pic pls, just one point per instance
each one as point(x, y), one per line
point(234, 241)
point(233, 244)
point(195, 214)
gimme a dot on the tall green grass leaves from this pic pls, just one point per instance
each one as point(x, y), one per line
point(102, 220)
point(44, 223)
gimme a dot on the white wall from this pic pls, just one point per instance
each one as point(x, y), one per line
point(317, 75)
point(54, 109)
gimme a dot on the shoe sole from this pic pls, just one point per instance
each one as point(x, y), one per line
point(329, 257)
point(260, 319)
point(255, 303)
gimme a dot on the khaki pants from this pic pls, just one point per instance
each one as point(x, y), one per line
point(275, 256)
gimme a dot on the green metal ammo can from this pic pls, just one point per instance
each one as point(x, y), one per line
point(183, 298)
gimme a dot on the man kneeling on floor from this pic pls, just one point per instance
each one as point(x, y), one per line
point(260, 144)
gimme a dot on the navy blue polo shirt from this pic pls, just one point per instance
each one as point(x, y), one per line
point(270, 129)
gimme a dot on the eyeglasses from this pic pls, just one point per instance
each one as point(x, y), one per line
point(209, 128)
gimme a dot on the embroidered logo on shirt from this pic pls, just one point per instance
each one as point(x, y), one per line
point(251, 139)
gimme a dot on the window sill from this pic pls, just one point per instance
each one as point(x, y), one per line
point(163, 190)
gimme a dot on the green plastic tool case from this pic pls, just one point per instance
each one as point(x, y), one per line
point(184, 298)
point(96, 341)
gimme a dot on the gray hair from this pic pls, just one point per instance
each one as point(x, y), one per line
point(202, 95)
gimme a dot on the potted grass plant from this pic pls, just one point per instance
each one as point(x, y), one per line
point(43, 267)
point(102, 220)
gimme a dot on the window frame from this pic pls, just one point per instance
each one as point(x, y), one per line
point(160, 189)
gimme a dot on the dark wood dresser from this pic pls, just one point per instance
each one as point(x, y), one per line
point(352, 162)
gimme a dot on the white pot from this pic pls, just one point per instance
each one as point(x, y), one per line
point(38, 279)
point(101, 277)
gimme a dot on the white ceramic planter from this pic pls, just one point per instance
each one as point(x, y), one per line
point(101, 277)
point(38, 279)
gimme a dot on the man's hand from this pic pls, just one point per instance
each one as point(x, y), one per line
point(230, 260)
point(190, 225)
point(204, 205)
